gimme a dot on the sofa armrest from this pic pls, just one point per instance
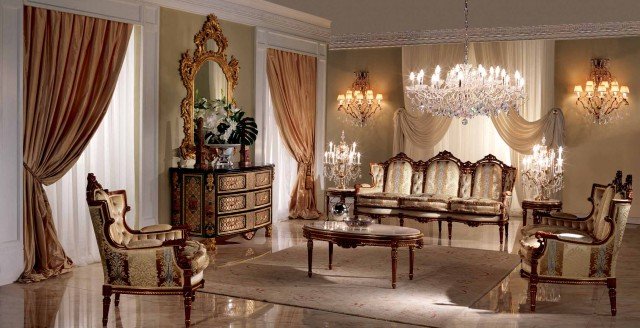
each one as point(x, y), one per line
point(366, 188)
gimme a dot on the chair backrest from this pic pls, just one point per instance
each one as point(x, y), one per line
point(398, 175)
point(116, 203)
point(377, 175)
point(601, 228)
point(442, 175)
point(488, 178)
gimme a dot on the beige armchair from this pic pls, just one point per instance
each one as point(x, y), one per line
point(566, 249)
point(155, 260)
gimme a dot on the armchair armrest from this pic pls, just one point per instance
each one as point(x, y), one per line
point(366, 188)
point(563, 237)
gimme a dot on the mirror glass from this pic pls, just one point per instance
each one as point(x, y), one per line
point(210, 82)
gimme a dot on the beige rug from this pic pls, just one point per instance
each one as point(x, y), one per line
point(447, 280)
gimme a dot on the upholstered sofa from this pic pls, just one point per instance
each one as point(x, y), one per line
point(443, 188)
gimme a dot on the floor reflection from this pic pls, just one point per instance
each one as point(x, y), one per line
point(74, 299)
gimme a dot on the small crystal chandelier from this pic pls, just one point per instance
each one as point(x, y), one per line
point(466, 91)
point(542, 171)
point(602, 95)
point(341, 163)
point(359, 102)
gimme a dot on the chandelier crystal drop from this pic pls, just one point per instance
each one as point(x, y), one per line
point(467, 90)
point(341, 163)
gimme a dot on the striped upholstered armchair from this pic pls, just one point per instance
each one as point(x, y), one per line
point(566, 249)
point(155, 260)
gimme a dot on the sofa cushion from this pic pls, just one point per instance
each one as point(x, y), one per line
point(475, 205)
point(487, 181)
point(384, 199)
point(425, 202)
point(398, 177)
point(442, 178)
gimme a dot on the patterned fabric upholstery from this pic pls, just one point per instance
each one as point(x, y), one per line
point(426, 202)
point(475, 206)
point(384, 199)
point(155, 267)
point(572, 256)
point(442, 178)
point(465, 187)
point(601, 228)
point(568, 222)
point(487, 182)
point(417, 182)
point(398, 178)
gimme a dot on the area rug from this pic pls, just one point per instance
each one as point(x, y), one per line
point(447, 280)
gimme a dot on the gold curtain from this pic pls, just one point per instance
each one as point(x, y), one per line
point(71, 66)
point(292, 80)
point(424, 130)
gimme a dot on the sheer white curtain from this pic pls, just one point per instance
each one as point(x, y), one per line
point(111, 156)
point(275, 152)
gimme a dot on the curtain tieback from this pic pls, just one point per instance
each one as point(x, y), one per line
point(26, 167)
point(308, 181)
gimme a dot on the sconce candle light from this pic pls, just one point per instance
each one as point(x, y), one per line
point(602, 95)
point(542, 171)
point(341, 163)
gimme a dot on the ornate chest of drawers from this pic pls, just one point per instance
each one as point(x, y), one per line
point(222, 202)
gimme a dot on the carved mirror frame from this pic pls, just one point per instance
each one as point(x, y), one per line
point(189, 66)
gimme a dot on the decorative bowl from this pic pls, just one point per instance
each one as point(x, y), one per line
point(358, 222)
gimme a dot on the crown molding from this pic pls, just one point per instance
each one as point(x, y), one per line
point(564, 31)
point(258, 13)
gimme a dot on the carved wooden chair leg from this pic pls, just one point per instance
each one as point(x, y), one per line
point(117, 299)
point(401, 221)
point(501, 225)
point(106, 301)
point(193, 297)
point(449, 226)
point(506, 231)
point(611, 284)
point(439, 229)
point(187, 308)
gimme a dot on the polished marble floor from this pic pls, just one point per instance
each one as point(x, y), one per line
point(74, 300)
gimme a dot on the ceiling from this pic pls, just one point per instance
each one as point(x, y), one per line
point(385, 16)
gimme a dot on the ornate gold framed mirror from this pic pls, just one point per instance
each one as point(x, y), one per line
point(208, 72)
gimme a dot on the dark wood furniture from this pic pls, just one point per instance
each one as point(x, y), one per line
point(343, 194)
point(544, 206)
point(376, 235)
point(222, 202)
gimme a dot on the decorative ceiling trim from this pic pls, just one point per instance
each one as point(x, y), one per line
point(257, 13)
point(564, 31)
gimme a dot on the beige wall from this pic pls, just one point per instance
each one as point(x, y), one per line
point(176, 35)
point(595, 152)
point(385, 66)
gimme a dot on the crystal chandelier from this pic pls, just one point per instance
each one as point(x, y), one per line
point(359, 103)
point(602, 95)
point(341, 163)
point(542, 171)
point(466, 90)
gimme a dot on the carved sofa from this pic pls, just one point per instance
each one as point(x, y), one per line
point(441, 189)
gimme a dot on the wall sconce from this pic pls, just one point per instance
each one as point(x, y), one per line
point(359, 102)
point(602, 95)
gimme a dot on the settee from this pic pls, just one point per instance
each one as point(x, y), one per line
point(443, 188)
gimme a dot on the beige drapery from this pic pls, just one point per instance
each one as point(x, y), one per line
point(71, 66)
point(423, 130)
point(521, 135)
point(292, 80)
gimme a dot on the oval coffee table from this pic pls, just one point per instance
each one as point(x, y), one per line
point(374, 235)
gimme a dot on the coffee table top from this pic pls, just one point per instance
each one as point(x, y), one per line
point(378, 230)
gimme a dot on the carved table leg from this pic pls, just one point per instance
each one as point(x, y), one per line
point(268, 230)
point(330, 255)
point(117, 299)
point(310, 254)
point(524, 216)
point(327, 207)
point(411, 262)
point(394, 265)
point(210, 244)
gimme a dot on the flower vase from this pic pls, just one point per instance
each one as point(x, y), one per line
point(224, 153)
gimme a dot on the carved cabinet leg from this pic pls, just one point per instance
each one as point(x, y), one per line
point(310, 254)
point(106, 301)
point(611, 284)
point(268, 230)
point(210, 244)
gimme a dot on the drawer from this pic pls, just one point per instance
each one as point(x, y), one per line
point(243, 181)
point(230, 203)
point(241, 222)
